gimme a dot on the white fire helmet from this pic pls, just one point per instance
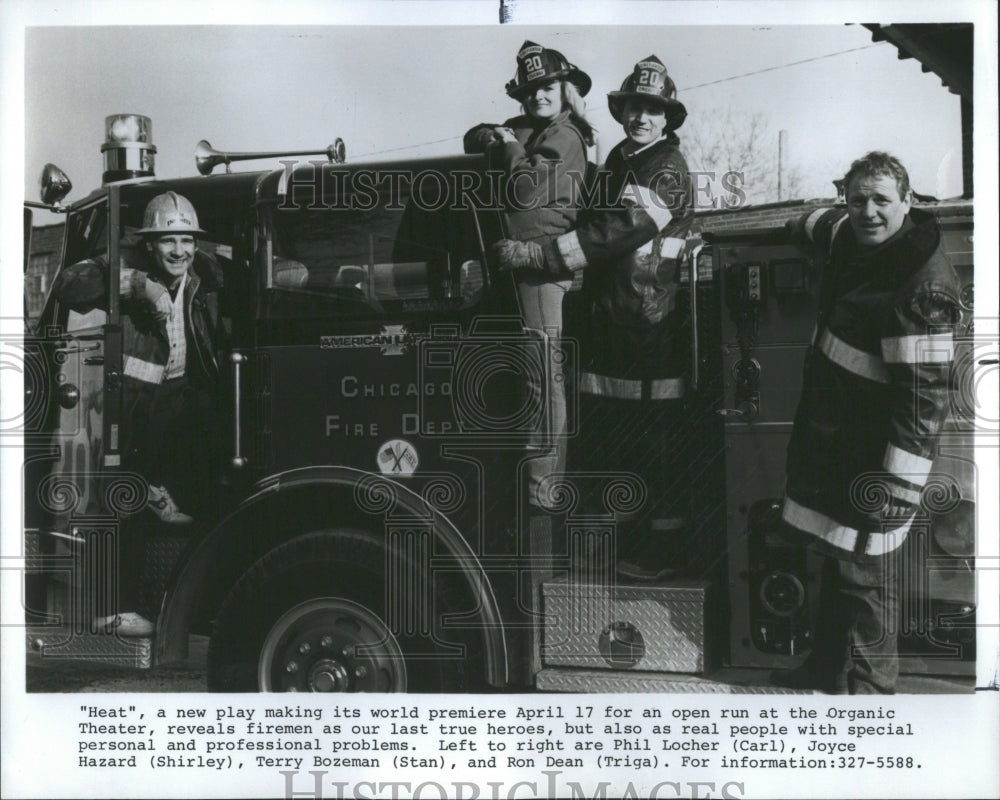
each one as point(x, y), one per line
point(170, 213)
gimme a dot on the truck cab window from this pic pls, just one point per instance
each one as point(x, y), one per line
point(361, 263)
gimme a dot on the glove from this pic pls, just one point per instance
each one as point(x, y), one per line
point(898, 509)
point(519, 255)
point(505, 135)
point(153, 293)
point(479, 139)
point(894, 513)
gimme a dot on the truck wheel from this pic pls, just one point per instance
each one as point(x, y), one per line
point(310, 616)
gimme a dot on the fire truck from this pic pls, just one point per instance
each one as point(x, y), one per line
point(369, 528)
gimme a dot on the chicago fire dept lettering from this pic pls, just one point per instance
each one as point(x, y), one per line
point(361, 422)
point(350, 386)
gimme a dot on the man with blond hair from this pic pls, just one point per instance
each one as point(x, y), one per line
point(875, 395)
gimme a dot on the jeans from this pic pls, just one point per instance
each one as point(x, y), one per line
point(541, 300)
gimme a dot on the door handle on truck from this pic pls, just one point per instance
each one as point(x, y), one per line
point(237, 359)
point(693, 287)
point(62, 352)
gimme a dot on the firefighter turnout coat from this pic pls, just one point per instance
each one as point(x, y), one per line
point(632, 247)
point(875, 388)
point(146, 344)
point(545, 169)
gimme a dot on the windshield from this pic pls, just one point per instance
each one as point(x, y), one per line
point(373, 262)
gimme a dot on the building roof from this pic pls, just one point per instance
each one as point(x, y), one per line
point(942, 48)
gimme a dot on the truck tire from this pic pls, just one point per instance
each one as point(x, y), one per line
point(310, 616)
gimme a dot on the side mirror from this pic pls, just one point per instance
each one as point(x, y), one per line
point(55, 185)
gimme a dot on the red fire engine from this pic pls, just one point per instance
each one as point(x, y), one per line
point(369, 530)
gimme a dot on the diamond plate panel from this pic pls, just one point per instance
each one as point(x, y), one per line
point(161, 556)
point(666, 625)
point(162, 553)
point(579, 680)
point(32, 544)
point(104, 648)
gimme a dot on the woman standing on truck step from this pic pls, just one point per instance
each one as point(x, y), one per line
point(543, 153)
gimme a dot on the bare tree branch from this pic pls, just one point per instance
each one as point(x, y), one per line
point(741, 142)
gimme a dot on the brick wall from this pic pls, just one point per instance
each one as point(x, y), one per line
point(43, 261)
point(774, 215)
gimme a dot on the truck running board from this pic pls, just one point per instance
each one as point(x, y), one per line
point(723, 681)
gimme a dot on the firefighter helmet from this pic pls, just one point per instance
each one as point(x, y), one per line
point(170, 213)
point(537, 64)
point(649, 81)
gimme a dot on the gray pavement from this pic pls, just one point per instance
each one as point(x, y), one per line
point(46, 674)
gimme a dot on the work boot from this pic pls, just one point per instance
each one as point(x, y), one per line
point(128, 623)
point(650, 550)
point(646, 574)
point(162, 504)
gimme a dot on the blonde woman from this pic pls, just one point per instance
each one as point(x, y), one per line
point(543, 153)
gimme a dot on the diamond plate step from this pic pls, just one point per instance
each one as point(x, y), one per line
point(105, 648)
point(661, 628)
point(723, 681)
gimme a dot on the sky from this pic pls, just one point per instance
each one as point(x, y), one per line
point(394, 92)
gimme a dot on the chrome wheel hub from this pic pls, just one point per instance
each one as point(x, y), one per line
point(330, 645)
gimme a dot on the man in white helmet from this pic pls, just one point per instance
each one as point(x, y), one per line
point(173, 338)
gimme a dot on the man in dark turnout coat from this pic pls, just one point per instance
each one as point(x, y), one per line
point(875, 395)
